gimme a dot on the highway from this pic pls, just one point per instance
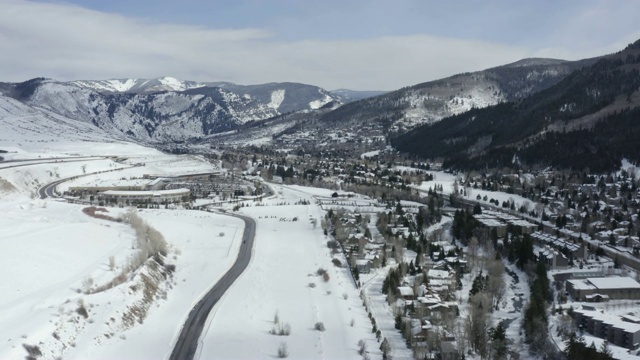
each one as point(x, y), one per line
point(187, 343)
point(30, 162)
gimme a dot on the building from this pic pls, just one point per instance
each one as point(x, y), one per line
point(554, 259)
point(606, 287)
point(364, 266)
point(159, 196)
point(622, 331)
point(574, 251)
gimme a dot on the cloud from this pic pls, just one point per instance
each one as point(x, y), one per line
point(68, 42)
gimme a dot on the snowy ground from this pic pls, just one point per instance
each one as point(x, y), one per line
point(287, 256)
point(54, 253)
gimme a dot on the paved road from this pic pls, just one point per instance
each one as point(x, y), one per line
point(49, 189)
point(187, 344)
point(30, 162)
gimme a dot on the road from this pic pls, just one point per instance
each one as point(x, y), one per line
point(49, 189)
point(187, 344)
point(30, 162)
point(188, 341)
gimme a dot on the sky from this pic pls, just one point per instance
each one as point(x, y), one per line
point(353, 44)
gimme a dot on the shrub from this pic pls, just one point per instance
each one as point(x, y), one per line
point(283, 350)
point(281, 329)
point(337, 262)
point(321, 272)
point(82, 309)
point(33, 351)
point(319, 326)
point(362, 347)
point(312, 285)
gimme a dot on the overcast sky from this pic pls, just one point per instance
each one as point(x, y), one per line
point(355, 44)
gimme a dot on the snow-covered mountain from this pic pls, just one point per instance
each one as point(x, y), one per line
point(166, 110)
point(141, 86)
point(432, 101)
point(26, 127)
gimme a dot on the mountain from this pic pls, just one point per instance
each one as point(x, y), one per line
point(138, 86)
point(347, 96)
point(165, 109)
point(26, 127)
point(432, 101)
point(587, 120)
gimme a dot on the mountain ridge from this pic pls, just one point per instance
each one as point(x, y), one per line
point(557, 126)
point(429, 102)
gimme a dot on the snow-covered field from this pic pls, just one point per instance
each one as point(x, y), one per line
point(56, 258)
point(286, 259)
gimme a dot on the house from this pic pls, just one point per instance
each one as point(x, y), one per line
point(553, 258)
point(363, 266)
point(406, 292)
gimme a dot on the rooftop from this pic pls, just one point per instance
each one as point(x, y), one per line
point(614, 283)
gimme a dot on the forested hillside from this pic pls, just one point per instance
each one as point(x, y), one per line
point(589, 119)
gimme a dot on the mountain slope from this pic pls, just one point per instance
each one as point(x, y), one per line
point(589, 119)
point(432, 101)
point(138, 86)
point(28, 127)
point(153, 111)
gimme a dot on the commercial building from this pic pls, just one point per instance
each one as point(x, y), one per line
point(603, 288)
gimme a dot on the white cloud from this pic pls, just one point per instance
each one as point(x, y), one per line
point(68, 42)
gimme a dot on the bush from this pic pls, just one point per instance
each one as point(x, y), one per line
point(281, 329)
point(82, 309)
point(362, 347)
point(33, 350)
point(319, 326)
point(283, 350)
point(321, 272)
point(337, 262)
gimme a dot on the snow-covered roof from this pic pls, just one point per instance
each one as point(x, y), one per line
point(613, 320)
point(437, 274)
point(614, 283)
point(405, 291)
point(147, 193)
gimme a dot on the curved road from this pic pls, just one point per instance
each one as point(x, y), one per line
point(49, 189)
point(187, 344)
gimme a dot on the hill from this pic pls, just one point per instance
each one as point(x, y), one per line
point(429, 102)
point(587, 120)
point(166, 109)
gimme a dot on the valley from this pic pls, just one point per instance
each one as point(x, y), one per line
point(487, 215)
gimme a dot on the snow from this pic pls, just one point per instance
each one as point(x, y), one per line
point(317, 104)
point(370, 154)
point(277, 97)
point(286, 257)
point(614, 283)
point(51, 249)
